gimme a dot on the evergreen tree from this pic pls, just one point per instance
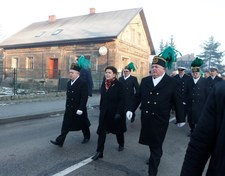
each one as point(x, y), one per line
point(161, 46)
point(210, 55)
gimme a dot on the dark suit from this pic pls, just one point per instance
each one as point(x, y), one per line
point(156, 103)
point(196, 97)
point(76, 99)
point(131, 86)
point(208, 139)
point(111, 103)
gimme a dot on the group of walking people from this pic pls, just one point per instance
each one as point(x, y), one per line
point(156, 95)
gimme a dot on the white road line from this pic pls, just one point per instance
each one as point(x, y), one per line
point(172, 119)
point(74, 167)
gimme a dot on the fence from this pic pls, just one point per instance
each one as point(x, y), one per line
point(38, 81)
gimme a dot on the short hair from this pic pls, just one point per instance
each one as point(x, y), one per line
point(114, 70)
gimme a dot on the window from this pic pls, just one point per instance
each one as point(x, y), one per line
point(57, 31)
point(133, 35)
point(15, 61)
point(139, 38)
point(29, 62)
point(40, 34)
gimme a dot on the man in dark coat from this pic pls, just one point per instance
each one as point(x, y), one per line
point(131, 86)
point(158, 93)
point(208, 139)
point(196, 96)
point(85, 74)
point(75, 116)
point(182, 77)
point(112, 117)
point(212, 79)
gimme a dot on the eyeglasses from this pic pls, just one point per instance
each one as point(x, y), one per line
point(125, 71)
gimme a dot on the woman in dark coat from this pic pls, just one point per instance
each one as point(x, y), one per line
point(112, 117)
point(208, 139)
point(75, 116)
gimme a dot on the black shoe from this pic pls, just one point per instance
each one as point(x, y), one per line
point(97, 156)
point(120, 148)
point(85, 140)
point(56, 143)
point(132, 119)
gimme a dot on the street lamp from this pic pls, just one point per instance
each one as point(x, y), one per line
point(103, 51)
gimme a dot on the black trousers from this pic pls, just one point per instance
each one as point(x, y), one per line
point(85, 130)
point(102, 138)
point(154, 160)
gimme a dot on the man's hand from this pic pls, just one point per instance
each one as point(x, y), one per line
point(79, 112)
point(129, 115)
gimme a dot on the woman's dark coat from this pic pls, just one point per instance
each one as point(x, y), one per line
point(76, 98)
point(196, 98)
point(111, 103)
point(208, 138)
point(156, 103)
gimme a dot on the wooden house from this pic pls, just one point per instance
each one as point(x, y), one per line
point(46, 49)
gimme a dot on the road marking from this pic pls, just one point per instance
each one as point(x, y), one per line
point(172, 119)
point(74, 167)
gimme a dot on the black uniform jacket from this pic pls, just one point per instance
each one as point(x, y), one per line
point(183, 85)
point(131, 86)
point(111, 103)
point(156, 103)
point(211, 82)
point(208, 138)
point(196, 98)
point(76, 98)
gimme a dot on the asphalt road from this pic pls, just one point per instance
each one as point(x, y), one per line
point(25, 150)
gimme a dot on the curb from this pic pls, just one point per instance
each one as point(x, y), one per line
point(29, 117)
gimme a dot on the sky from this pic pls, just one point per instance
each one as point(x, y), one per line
point(190, 22)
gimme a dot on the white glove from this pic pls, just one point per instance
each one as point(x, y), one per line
point(79, 112)
point(180, 124)
point(129, 115)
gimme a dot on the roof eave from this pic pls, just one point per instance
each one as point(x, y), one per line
point(62, 42)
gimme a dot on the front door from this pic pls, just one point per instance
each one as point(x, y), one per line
point(53, 68)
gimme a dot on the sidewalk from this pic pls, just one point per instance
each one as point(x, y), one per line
point(13, 112)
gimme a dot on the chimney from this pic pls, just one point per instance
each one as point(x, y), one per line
point(92, 10)
point(51, 18)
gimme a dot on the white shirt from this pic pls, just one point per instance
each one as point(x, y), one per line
point(73, 81)
point(157, 80)
point(126, 77)
point(196, 80)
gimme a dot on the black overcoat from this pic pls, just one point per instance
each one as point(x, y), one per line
point(111, 103)
point(131, 87)
point(211, 82)
point(196, 98)
point(76, 98)
point(183, 85)
point(208, 138)
point(156, 103)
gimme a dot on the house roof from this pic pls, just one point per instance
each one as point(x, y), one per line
point(91, 27)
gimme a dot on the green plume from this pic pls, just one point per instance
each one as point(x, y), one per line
point(83, 62)
point(170, 55)
point(132, 66)
point(197, 62)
